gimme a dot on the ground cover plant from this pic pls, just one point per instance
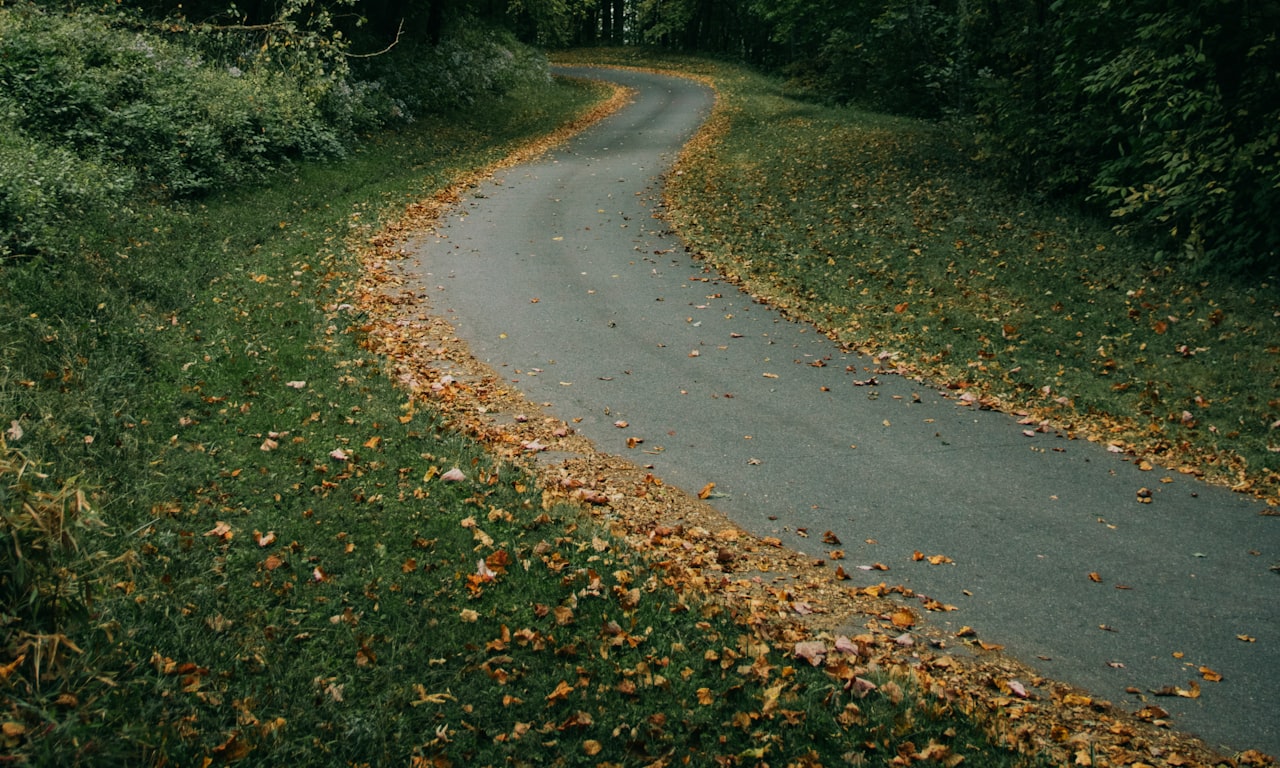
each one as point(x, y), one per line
point(228, 535)
point(879, 230)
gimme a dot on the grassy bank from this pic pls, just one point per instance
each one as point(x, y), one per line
point(229, 536)
point(883, 232)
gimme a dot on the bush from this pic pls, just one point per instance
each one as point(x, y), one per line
point(44, 187)
point(470, 63)
point(133, 98)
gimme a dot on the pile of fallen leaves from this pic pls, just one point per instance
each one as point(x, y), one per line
point(799, 605)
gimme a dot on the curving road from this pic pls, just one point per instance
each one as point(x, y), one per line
point(561, 276)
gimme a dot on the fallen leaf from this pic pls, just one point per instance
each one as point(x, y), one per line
point(812, 651)
point(221, 530)
point(1095, 577)
point(1210, 675)
point(454, 475)
point(1172, 690)
point(296, 384)
point(706, 491)
point(561, 692)
point(337, 454)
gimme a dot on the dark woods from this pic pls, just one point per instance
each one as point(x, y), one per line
point(1163, 115)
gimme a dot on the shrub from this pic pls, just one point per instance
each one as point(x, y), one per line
point(134, 98)
point(44, 187)
point(468, 64)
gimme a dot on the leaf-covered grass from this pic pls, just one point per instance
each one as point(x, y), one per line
point(878, 230)
point(285, 575)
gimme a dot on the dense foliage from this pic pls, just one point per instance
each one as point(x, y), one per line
point(100, 112)
point(1164, 115)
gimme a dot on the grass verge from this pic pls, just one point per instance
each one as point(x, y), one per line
point(882, 232)
point(228, 536)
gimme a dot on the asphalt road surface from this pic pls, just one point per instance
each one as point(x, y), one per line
point(561, 277)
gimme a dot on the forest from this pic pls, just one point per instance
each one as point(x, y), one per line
point(1164, 116)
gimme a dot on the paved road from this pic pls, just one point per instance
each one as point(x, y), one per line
point(561, 278)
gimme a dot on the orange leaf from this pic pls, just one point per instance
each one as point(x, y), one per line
point(1095, 577)
point(561, 692)
point(705, 493)
point(1210, 675)
point(221, 530)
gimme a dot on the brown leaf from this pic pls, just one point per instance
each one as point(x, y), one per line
point(1210, 675)
point(222, 531)
point(830, 538)
point(903, 619)
point(561, 692)
point(1095, 577)
point(706, 491)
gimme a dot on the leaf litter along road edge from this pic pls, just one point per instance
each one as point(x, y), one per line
point(792, 600)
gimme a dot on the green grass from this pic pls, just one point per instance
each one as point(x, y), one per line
point(884, 233)
point(269, 567)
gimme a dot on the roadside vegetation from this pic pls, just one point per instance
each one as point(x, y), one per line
point(226, 535)
point(885, 233)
